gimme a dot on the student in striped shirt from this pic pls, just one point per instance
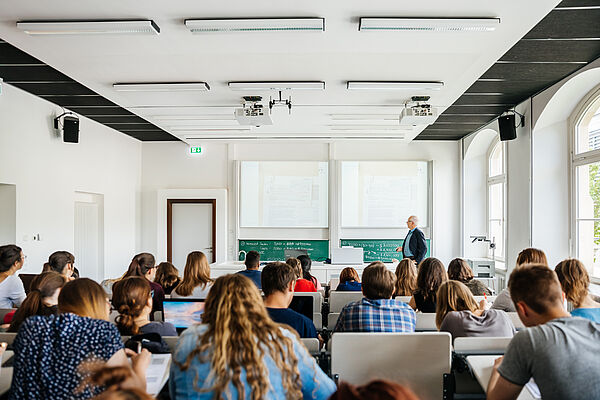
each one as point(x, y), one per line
point(377, 311)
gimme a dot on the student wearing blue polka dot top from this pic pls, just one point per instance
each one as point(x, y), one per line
point(51, 352)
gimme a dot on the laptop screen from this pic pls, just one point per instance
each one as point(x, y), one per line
point(183, 313)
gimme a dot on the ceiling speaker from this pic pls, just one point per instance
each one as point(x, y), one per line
point(506, 126)
point(70, 129)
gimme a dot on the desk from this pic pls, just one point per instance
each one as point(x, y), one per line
point(482, 367)
point(6, 374)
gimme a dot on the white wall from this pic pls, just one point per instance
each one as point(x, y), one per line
point(48, 172)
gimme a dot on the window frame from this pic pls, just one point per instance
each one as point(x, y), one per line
point(491, 181)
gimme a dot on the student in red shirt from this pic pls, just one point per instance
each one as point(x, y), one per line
point(302, 285)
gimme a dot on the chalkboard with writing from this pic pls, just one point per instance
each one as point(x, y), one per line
point(273, 250)
point(379, 249)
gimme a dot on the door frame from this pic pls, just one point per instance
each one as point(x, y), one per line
point(170, 203)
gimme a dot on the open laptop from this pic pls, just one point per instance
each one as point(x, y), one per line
point(183, 313)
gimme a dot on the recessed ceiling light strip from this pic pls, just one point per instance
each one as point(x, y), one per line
point(161, 87)
point(429, 24)
point(199, 26)
point(394, 85)
point(134, 27)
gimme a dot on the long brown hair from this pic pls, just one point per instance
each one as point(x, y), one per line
point(459, 270)
point(130, 297)
point(42, 287)
point(532, 256)
point(406, 277)
point(58, 261)
point(574, 279)
point(140, 265)
point(85, 298)
point(166, 274)
point(431, 275)
point(239, 335)
point(453, 296)
point(195, 273)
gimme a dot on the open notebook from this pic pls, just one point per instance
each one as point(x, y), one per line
point(157, 373)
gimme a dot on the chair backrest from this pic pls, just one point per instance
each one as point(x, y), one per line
point(312, 345)
point(481, 345)
point(318, 321)
point(8, 337)
point(425, 322)
point(337, 300)
point(26, 279)
point(514, 317)
point(171, 341)
point(404, 299)
point(332, 320)
point(317, 299)
point(333, 283)
point(418, 360)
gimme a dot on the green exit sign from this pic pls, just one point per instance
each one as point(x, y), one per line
point(196, 150)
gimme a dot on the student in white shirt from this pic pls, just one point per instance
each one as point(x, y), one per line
point(12, 292)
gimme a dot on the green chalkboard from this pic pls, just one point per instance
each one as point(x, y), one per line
point(379, 249)
point(273, 250)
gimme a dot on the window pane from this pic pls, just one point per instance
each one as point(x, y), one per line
point(588, 191)
point(588, 132)
point(588, 245)
point(496, 201)
point(496, 160)
point(497, 234)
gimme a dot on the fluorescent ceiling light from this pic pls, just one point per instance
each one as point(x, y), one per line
point(309, 85)
point(366, 85)
point(255, 25)
point(429, 24)
point(134, 27)
point(161, 87)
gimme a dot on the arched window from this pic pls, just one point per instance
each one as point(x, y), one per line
point(585, 181)
point(496, 193)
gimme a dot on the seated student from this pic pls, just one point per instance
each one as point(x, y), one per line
point(12, 292)
point(306, 264)
point(131, 298)
point(459, 270)
point(278, 280)
point(377, 311)
point(239, 352)
point(144, 265)
point(41, 300)
point(406, 277)
point(62, 262)
point(252, 263)
point(302, 285)
point(429, 279)
point(349, 281)
point(459, 314)
point(527, 256)
point(49, 351)
point(196, 277)
point(379, 389)
point(167, 276)
point(120, 383)
point(559, 352)
point(575, 282)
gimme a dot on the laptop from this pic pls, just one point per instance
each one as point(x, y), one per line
point(183, 313)
point(294, 253)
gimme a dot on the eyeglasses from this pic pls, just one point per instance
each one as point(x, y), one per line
point(24, 257)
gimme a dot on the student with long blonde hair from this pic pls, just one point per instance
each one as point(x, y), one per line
point(196, 277)
point(458, 313)
point(406, 277)
point(239, 352)
point(575, 282)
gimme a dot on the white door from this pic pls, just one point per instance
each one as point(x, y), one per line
point(87, 249)
point(191, 230)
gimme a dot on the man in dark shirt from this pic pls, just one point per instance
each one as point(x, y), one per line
point(252, 264)
point(278, 281)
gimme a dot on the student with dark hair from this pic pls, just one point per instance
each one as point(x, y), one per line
point(575, 282)
point(377, 311)
point(459, 270)
point(406, 277)
point(431, 275)
point(62, 262)
point(278, 280)
point(131, 298)
point(558, 351)
point(526, 256)
point(302, 285)
point(144, 265)
point(49, 351)
point(306, 264)
point(167, 276)
point(42, 298)
point(12, 292)
point(349, 281)
point(252, 263)
point(239, 352)
point(196, 280)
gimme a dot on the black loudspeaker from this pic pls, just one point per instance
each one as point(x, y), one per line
point(70, 129)
point(506, 125)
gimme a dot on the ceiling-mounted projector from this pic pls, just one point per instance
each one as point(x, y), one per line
point(418, 113)
point(253, 113)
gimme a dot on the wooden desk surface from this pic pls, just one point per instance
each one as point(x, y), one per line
point(482, 367)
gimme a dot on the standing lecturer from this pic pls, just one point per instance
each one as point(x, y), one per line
point(415, 245)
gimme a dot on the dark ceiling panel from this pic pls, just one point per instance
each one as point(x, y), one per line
point(90, 101)
point(153, 136)
point(578, 3)
point(426, 136)
point(567, 24)
point(553, 51)
point(475, 110)
point(512, 86)
point(131, 127)
point(47, 89)
point(496, 99)
point(480, 119)
point(116, 119)
point(89, 111)
point(40, 73)
point(11, 55)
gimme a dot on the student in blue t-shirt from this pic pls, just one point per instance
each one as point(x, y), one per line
point(252, 264)
point(575, 282)
point(278, 281)
point(349, 281)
